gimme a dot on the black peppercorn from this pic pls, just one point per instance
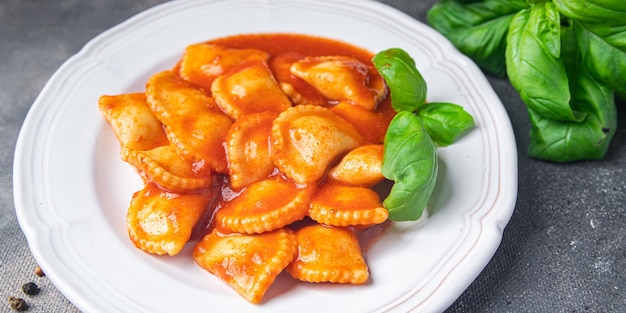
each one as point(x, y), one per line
point(18, 304)
point(30, 288)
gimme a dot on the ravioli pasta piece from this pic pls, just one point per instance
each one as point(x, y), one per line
point(328, 254)
point(249, 88)
point(247, 149)
point(342, 78)
point(161, 222)
point(340, 205)
point(203, 62)
point(248, 263)
point(306, 139)
point(193, 123)
point(166, 168)
point(264, 206)
point(201, 140)
point(132, 121)
point(361, 166)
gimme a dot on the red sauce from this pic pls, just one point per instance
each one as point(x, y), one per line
point(287, 48)
point(277, 44)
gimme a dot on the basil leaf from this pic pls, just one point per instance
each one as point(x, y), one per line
point(603, 48)
point(533, 69)
point(406, 85)
point(477, 28)
point(445, 122)
point(570, 54)
point(572, 141)
point(410, 160)
point(604, 12)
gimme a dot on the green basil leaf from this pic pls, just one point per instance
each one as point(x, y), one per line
point(477, 28)
point(605, 12)
point(445, 122)
point(547, 27)
point(571, 141)
point(533, 69)
point(410, 161)
point(406, 85)
point(560, 141)
point(603, 49)
point(570, 54)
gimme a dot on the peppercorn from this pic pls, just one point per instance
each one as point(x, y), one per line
point(39, 272)
point(30, 288)
point(18, 304)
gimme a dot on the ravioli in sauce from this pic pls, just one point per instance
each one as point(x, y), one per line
point(262, 151)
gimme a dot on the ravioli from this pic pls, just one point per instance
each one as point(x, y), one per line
point(193, 123)
point(264, 206)
point(204, 62)
point(361, 166)
point(248, 149)
point(328, 254)
point(306, 139)
point(342, 78)
point(161, 222)
point(248, 263)
point(163, 166)
point(339, 205)
point(249, 88)
point(132, 121)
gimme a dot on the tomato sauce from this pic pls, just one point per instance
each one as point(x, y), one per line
point(287, 48)
point(280, 43)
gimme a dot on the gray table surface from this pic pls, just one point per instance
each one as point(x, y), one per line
point(563, 251)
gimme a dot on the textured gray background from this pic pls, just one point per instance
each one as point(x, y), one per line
point(563, 250)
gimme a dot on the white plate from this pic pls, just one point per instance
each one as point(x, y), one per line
point(72, 190)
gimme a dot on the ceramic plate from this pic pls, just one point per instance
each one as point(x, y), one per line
point(72, 190)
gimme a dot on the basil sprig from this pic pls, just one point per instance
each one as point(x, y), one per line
point(410, 147)
point(565, 58)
